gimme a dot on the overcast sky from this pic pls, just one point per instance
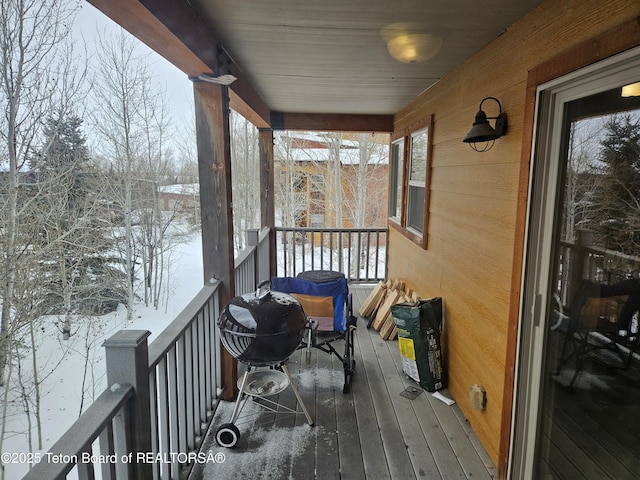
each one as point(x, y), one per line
point(90, 22)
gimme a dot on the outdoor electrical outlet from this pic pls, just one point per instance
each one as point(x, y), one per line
point(478, 397)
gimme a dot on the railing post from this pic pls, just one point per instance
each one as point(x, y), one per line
point(580, 259)
point(253, 236)
point(127, 361)
point(264, 254)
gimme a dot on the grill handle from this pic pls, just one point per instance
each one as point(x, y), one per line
point(263, 289)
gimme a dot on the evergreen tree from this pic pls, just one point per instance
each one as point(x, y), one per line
point(71, 244)
point(616, 223)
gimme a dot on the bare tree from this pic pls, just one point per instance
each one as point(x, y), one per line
point(39, 78)
point(245, 170)
point(119, 121)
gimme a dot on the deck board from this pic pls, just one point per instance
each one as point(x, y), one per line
point(372, 432)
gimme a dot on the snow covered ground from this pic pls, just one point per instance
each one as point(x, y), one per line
point(63, 362)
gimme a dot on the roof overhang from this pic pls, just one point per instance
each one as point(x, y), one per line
point(314, 65)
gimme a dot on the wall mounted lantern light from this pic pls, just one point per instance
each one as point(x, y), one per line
point(482, 135)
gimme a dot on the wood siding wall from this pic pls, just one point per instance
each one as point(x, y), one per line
point(476, 204)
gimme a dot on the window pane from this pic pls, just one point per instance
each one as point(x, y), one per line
point(415, 214)
point(395, 172)
point(419, 157)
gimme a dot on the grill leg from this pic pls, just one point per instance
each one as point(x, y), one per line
point(236, 408)
point(308, 352)
point(297, 394)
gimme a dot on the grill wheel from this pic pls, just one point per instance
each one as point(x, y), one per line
point(227, 435)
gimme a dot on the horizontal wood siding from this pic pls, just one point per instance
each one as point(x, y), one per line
point(475, 199)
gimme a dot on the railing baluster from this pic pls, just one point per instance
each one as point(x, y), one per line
point(196, 375)
point(356, 261)
point(294, 250)
point(368, 260)
point(189, 379)
point(208, 354)
point(107, 447)
point(85, 469)
point(378, 252)
point(202, 380)
point(122, 440)
point(182, 394)
point(217, 348)
point(303, 244)
point(155, 431)
point(312, 241)
point(163, 416)
point(172, 407)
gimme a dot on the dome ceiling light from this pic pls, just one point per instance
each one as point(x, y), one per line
point(408, 42)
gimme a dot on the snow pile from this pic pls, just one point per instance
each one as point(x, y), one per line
point(273, 450)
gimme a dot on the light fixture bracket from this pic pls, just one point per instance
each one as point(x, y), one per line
point(225, 80)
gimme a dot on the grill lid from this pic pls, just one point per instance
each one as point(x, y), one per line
point(262, 329)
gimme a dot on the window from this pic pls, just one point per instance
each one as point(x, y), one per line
point(395, 181)
point(409, 181)
point(417, 180)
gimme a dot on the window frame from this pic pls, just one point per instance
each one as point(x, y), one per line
point(406, 138)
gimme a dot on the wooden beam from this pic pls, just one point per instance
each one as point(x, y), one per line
point(214, 169)
point(331, 122)
point(134, 17)
point(174, 30)
point(181, 19)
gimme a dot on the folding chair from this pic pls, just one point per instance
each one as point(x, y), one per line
point(602, 317)
point(326, 300)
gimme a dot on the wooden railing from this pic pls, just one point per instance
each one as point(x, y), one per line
point(252, 265)
point(151, 420)
point(360, 254)
point(580, 260)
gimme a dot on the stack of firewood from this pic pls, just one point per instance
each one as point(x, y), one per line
point(377, 307)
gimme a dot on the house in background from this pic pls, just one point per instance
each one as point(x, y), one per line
point(479, 229)
point(307, 178)
point(180, 198)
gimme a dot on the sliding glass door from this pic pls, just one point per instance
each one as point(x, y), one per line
point(578, 399)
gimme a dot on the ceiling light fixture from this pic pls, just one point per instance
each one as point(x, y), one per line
point(631, 90)
point(482, 135)
point(408, 43)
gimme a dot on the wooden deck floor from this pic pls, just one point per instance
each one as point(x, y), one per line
point(592, 429)
point(372, 432)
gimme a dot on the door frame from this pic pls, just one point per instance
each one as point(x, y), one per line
point(541, 208)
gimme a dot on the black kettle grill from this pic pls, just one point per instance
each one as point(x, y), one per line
point(261, 329)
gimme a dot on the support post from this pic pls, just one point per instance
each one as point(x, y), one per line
point(127, 361)
point(579, 268)
point(267, 187)
point(214, 168)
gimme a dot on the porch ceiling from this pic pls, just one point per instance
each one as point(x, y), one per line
point(327, 57)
